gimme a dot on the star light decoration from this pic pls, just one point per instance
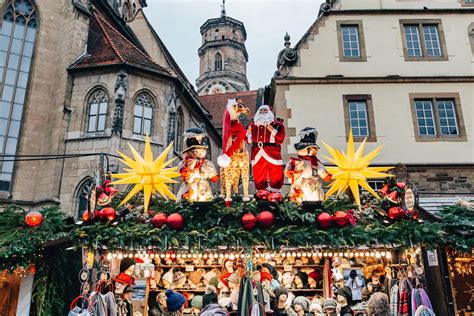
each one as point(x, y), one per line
point(352, 169)
point(147, 174)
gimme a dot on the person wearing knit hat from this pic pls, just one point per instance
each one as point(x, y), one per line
point(124, 278)
point(329, 307)
point(174, 301)
point(233, 280)
point(271, 269)
point(214, 282)
point(301, 305)
point(196, 304)
point(344, 299)
point(314, 277)
point(279, 303)
point(265, 276)
point(209, 303)
point(315, 308)
point(301, 280)
point(167, 279)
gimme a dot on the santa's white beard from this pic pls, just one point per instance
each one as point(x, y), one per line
point(263, 119)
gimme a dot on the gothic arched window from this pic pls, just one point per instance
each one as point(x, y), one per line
point(17, 40)
point(143, 114)
point(218, 62)
point(126, 11)
point(178, 145)
point(97, 111)
point(81, 196)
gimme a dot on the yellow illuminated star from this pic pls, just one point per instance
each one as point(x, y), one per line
point(147, 174)
point(352, 169)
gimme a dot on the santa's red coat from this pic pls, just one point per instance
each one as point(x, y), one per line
point(265, 144)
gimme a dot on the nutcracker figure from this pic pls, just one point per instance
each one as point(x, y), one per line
point(266, 134)
point(195, 169)
point(306, 171)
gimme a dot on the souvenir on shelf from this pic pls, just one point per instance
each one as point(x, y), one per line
point(234, 160)
point(195, 169)
point(266, 134)
point(306, 172)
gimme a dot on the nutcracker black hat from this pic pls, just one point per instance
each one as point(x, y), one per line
point(307, 138)
point(195, 138)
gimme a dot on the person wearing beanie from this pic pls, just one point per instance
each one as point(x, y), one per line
point(174, 302)
point(124, 278)
point(266, 267)
point(301, 305)
point(378, 305)
point(329, 307)
point(314, 277)
point(209, 303)
point(124, 303)
point(196, 304)
point(301, 280)
point(344, 299)
point(279, 305)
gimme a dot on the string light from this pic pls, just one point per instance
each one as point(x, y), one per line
point(109, 256)
point(120, 256)
point(388, 255)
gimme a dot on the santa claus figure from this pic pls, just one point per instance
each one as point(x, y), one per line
point(266, 134)
point(195, 169)
point(306, 171)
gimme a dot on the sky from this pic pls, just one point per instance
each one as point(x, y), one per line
point(177, 22)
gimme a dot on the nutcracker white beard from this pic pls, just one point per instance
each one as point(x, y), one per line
point(263, 119)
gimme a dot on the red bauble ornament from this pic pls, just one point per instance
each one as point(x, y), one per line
point(266, 219)
point(107, 214)
point(34, 219)
point(159, 220)
point(395, 213)
point(31, 269)
point(324, 220)
point(340, 217)
point(175, 221)
point(249, 221)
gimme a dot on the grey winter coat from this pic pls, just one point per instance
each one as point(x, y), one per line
point(213, 309)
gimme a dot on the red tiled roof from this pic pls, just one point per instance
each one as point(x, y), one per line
point(108, 46)
point(216, 103)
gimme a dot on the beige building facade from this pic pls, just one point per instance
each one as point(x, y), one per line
point(94, 78)
point(400, 73)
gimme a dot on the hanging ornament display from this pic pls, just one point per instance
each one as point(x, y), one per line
point(147, 174)
point(86, 216)
point(249, 221)
point(352, 169)
point(159, 220)
point(34, 219)
point(175, 221)
point(266, 219)
point(395, 213)
point(195, 169)
point(107, 214)
point(341, 218)
point(324, 220)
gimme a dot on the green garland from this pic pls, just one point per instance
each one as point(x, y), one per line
point(20, 245)
point(216, 225)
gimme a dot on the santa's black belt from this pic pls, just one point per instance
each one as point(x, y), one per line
point(265, 144)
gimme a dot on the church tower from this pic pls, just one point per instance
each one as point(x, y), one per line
point(223, 57)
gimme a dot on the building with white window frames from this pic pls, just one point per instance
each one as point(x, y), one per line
point(397, 72)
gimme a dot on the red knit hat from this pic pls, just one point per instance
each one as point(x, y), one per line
point(315, 275)
point(265, 276)
point(223, 278)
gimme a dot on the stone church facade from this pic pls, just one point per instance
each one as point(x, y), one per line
point(80, 78)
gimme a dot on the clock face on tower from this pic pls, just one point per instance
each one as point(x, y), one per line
point(216, 87)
